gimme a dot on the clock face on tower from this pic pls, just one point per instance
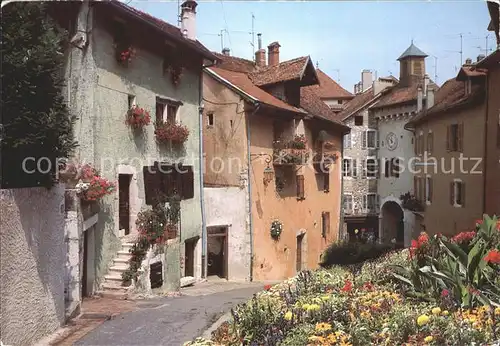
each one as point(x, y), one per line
point(392, 141)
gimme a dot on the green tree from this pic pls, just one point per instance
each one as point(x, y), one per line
point(35, 119)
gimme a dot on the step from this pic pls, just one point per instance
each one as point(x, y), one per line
point(114, 294)
point(187, 281)
point(113, 277)
point(114, 287)
point(121, 261)
point(118, 268)
point(127, 246)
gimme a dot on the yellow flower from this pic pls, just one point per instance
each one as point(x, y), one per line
point(423, 320)
point(288, 316)
point(497, 311)
point(325, 298)
point(323, 327)
point(428, 338)
point(436, 311)
point(445, 313)
point(306, 306)
point(356, 231)
point(313, 307)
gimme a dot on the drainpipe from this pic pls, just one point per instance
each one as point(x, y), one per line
point(341, 206)
point(202, 194)
point(249, 162)
point(485, 144)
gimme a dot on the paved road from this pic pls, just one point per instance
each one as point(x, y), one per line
point(167, 321)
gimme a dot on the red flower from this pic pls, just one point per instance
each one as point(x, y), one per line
point(445, 293)
point(267, 287)
point(368, 286)
point(492, 257)
point(479, 222)
point(463, 237)
point(347, 286)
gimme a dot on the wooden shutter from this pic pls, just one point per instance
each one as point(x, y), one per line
point(448, 138)
point(354, 168)
point(452, 193)
point(462, 189)
point(377, 203)
point(377, 140)
point(152, 184)
point(325, 218)
point(364, 168)
point(187, 178)
point(364, 139)
point(387, 168)
point(326, 181)
point(365, 202)
point(423, 186)
point(300, 186)
point(430, 189)
point(160, 107)
point(460, 137)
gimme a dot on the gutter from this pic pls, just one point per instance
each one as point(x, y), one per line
point(249, 162)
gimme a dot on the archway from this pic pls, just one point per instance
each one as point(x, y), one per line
point(393, 223)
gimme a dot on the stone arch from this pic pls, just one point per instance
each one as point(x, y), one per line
point(392, 222)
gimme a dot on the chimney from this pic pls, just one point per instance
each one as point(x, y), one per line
point(366, 80)
point(226, 51)
point(260, 58)
point(273, 54)
point(188, 19)
point(426, 83)
point(480, 57)
point(355, 89)
point(468, 61)
point(430, 98)
point(259, 40)
point(420, 98)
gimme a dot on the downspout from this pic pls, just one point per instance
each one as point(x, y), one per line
point(485, 144)
point(341, 206)
point(249, 162)
point(202, 194)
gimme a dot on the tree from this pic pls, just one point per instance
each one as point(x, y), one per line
point(35, 119)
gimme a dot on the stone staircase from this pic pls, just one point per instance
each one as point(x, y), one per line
point(112, 286)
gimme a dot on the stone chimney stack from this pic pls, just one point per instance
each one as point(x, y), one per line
point(226, 51)
point(273, 54)
point(188, 19)
point(480, 57)
point(430, 98)
point(426, 83)
point(468, 61)
point(420, 98)
point(366, 80)
point(260, 58)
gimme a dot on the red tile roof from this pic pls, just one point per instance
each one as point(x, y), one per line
point(170, 30)
point(403, 93)
point(491, 60)
point(242, 81)
point(329, 89)
point(235, 64)
point(284, 71)
point(356, 103)
point(449, 96)
point(470, 72)
point(312, 103)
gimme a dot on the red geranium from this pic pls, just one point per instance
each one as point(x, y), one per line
point(418, 245)
point(138, 117)
point(493, 256)
point(347, 286)
point(171, 132)
point(267, 287)
point(464, 237)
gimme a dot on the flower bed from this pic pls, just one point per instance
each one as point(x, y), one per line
point(138, 117)
point(369, 306)
point(177, 133)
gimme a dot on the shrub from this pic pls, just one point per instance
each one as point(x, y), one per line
point(345, 253)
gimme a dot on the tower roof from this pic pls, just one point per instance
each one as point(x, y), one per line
point(412, 51)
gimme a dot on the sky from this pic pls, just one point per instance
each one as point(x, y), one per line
point(344, 37)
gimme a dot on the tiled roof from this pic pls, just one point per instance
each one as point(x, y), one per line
point(491, 60)
point(412, 50)
point(356, 103)
point(328, 88)
point(242, 81)
point(450, 95)
point(235, 64)
point(284, 71)
point(391, 78)
point(312, 103)
point(402, 94)
point(470, 72)
point(168, 29)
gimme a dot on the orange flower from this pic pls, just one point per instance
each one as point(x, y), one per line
point(492, 257)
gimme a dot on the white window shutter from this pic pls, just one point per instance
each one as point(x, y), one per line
point(377, 142)
point(354, 168)
point(365, 202)
point(363, 169)
point(364, 138)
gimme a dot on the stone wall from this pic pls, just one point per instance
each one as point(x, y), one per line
point(33, 257)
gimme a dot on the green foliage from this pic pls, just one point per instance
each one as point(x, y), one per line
point(345, 253)
point(35, 119)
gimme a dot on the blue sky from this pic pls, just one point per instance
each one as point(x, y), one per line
point(344, 37)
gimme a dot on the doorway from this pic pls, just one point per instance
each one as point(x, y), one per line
point(190, 248)
point(85, 271)
point(124, 181)
point(298, 264)
point(217, 248)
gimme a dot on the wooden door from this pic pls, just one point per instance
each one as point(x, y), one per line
point(124, 201)
point(189, 263)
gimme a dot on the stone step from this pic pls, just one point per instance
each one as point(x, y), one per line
point(119, 294)
point(123, 254)
point(113, 286)
point(118, 268)
point(127, 246)
point(113, 277)
point(121, 261)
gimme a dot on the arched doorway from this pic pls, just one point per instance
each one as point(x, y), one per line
point(393, 223)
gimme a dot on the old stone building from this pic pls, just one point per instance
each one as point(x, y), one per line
point(274, 202)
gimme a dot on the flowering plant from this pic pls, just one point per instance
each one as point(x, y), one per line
point(276, 229)
point(175, 74)
point(177, 133)
point(298, 142)
point(124, 53)
point(97, 188)
point(138, 117)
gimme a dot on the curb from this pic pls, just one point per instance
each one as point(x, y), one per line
point(207, 334)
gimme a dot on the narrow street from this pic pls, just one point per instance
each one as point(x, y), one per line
point(168, 321)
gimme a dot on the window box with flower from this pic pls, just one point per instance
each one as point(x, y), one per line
point(91, 186)
point(124, 54)
point(276, 229)
point(171, 132)
point(138, 117)
point(173, 67)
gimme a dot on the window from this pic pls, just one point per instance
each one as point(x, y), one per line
point(300, 187)
point(454, 138)
point(417, 68)
point(370, 139)
point(419, 187)
point(167, 180)
point(347, 140)
point(231, 123)
point(131, 101)
point(160, 109)
point(325, 223)
point(166, 110)
point(348, 204)
point(326, 182)
point(171, 114)
point(419, 144)
point(457, 193)
point(428, 189)
point(371, 168)
point(392, 168)
point(358, 120)
point(370, 202)
point(340, 102)
point(210, 119)
point(430, 142)
point(349, 168)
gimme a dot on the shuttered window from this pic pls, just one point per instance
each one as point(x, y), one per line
point(326, 181)
point(300, 186)
point(430, 142)
point(152, 184)
point(325, 216)
point(168, 180)
point(457, 193)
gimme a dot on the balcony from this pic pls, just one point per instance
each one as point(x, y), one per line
point(291, 153)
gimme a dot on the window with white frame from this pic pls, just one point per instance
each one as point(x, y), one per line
point(370, 139)
point(371, 167)
point(347, 141)
point(349, 167)
point(428, 189)
point(370, 202)
point(457, 193)
point(348, 204)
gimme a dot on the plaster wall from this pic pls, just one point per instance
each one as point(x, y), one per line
point(32, 266)
point(227, 206)
point(493, 144)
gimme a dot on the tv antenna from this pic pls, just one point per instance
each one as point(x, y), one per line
point(435, 68)
point(338, 75)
